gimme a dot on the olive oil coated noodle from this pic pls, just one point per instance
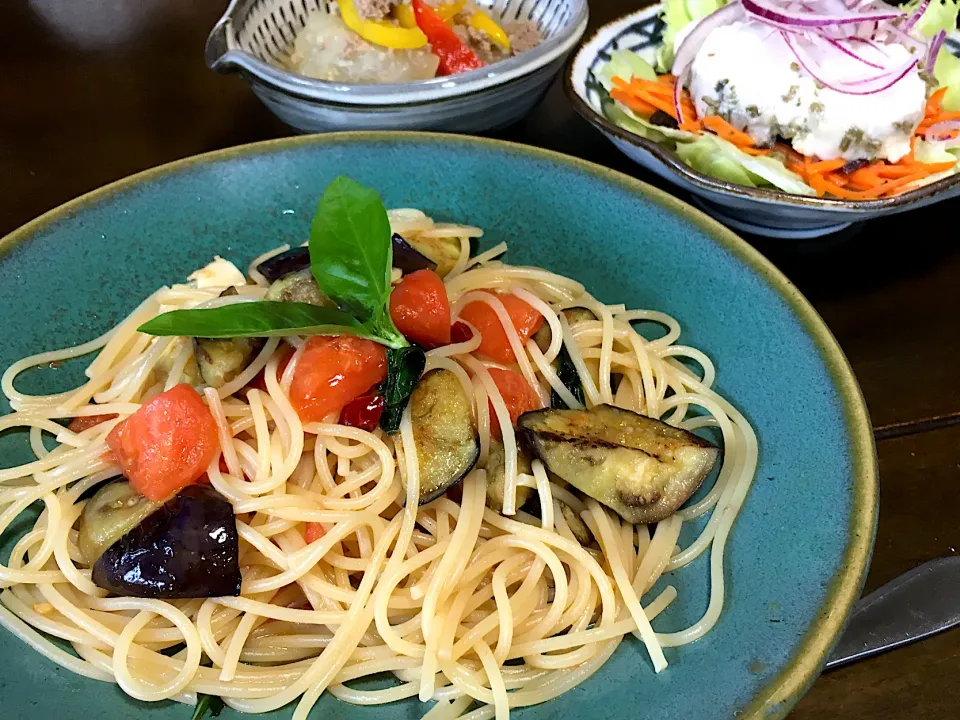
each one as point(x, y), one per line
point(477, 611)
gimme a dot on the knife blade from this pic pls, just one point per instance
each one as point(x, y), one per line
point(916, 605)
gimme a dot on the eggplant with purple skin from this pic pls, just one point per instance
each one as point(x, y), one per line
point(444, 433)
point(639, 467)
point(220, 360)
point(285, 263)
point(188, 548)
point(299, 287)
point(407, 258)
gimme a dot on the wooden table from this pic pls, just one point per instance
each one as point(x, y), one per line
point(96, 90)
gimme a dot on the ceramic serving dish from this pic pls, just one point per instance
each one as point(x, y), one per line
point(756, 210)
point(255, 36)
point(800, 548)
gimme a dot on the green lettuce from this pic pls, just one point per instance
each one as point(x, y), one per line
point(718, 158)
point(939, 15)
point(947, 74)
point(677, 14)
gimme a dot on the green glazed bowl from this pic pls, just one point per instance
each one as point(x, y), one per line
point(800, 548)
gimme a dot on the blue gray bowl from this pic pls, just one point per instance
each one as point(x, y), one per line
point(254, 36)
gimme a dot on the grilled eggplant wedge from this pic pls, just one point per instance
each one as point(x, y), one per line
point(497, 476)
point(576, 524)
point(300, 287)
point(444, 433)
point(542, 337)
point(443, 252)
point(221, 360)
point(639, 467)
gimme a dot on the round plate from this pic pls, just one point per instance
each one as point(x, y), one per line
point(800, 548)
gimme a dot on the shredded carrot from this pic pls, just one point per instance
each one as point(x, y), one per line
point(825, 166)
point(727, 131)
point(826, 177)
point(638, 106)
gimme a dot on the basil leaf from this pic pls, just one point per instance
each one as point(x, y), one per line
point(257, 319)
point(404, 368)
point(568, 375)
point(207, 703)
point(350, 249)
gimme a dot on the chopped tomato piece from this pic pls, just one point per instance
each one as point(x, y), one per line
point(420, 309)
point(494, 343)
point(460, 332)
point(516, 393)
point(167, 444)
point(332, 371)
point(363, 413)
point(85, 422)
point(314, 531)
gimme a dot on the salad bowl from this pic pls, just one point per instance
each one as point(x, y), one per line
point(759, 210)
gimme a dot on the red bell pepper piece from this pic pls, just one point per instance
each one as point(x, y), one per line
point(455, 56)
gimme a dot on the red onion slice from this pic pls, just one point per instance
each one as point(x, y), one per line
point(847, 51)
point(935, 131)
point(684, 55)
point(868, 86)
point(917, 14)
point(935, 44)
point(765, 10)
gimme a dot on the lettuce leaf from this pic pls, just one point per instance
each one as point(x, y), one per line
point(947, 74)
point(625, 64)
point(677, 14)
point(718, 158)
point(939, 15)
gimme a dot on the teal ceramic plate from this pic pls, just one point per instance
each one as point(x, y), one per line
point(800, 548)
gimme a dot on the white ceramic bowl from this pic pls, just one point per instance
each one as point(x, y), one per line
point(757, 210)
point(253, 35)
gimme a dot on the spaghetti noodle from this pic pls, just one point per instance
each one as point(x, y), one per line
point(476, 610)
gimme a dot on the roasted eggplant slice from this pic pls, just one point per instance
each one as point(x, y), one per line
point(566, 370)
point(220, 361)
point(576, 524)
point(444, 252)
point(299, 287)
point(446, 438)
point(113, 511)
point(187, 548)
point(407, 258)
point(542, 337)
point(641, 468)
point(497, 476)
point(289, 261)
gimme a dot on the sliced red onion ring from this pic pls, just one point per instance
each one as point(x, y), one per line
point(684, 55)
point(847, 51)
point(768, 11)
point(935, 131)
point(917, 14)
point(869, 86)
point(935, 44)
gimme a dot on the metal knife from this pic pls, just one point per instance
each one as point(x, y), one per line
point(916, 605)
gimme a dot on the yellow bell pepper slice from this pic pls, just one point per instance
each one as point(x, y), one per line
point(448, 11)
point(485, 24)
point(379, 32)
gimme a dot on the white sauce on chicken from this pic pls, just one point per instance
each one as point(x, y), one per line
point(746, 73)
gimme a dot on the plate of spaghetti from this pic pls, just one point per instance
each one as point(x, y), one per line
point(416, 425)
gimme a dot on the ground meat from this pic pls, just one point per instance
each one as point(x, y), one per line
point(480, 43)
point(523, 35)
point(374, 9)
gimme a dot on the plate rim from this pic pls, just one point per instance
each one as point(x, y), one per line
point(779, 695)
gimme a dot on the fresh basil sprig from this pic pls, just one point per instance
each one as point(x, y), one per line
point(351, 258)
point(404, 367)
point(207, 704)
point(257, 319)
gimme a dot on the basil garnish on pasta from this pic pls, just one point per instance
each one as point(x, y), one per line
point(351, 257)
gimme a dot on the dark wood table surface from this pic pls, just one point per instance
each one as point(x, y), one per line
point(94, 90)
